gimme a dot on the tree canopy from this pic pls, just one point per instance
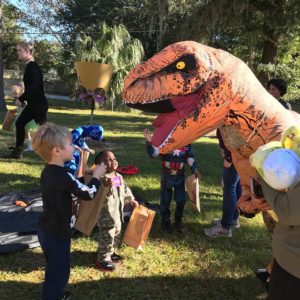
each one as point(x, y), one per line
point(263, 33)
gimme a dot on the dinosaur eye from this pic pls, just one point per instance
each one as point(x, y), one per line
point(180, 65)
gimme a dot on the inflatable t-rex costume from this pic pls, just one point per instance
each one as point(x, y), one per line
point(197, 89)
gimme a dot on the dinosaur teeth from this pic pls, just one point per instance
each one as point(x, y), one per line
point(167, 138)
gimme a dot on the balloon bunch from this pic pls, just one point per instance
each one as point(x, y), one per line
point(278, 162)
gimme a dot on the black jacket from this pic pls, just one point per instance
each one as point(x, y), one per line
point(34, 92)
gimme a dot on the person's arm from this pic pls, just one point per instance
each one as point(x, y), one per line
point(286, 205)
point(190, 159)
point(33, 85)
point(84, 191)
point(128, 196)
point(151, 150)
point(81, 190)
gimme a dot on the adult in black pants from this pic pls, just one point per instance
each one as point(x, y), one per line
point(37, 105)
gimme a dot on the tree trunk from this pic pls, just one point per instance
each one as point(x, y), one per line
point(163, 8)
point(269, 54)
point(2, 100)
point(272, 37)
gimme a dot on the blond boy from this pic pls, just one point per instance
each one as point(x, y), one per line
point(54, 145)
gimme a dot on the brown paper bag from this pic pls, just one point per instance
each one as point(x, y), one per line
point(9, 120)
point(139, 227)
point(192, 187)
point(84, 156)
point(89, 210)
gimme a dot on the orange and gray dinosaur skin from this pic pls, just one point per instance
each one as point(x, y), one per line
point(196, 89)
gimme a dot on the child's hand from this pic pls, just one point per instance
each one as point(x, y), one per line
point(227, 164)
point(77, 148)
point(18, 103)
point(148, 135)
point(134, 203)
point(92, 151)
point(197, 174)
point(100, 170)
point(261, 203)
point(107, 182)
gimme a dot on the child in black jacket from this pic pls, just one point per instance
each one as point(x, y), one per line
point(59, 188)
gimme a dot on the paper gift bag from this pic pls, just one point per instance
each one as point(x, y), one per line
point(192, 187)
point(9, 120)
point(89, 210)
point(84, 156)
point(139, 227)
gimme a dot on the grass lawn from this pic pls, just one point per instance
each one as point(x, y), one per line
point(186, 266)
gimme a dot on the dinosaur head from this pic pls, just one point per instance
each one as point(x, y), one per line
point(185, 85)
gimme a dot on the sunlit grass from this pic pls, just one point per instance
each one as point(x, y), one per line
point(186, 266)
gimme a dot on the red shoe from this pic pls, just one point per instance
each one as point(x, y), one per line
point(130, 170)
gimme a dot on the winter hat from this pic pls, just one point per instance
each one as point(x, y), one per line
point(281, 169)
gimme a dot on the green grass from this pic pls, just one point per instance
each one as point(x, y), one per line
point(187, 266)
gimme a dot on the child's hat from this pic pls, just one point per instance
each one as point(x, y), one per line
point(281, 169)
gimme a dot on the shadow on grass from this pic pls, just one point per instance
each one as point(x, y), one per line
point(155, 287)
point(127, 123)
point(17, 183)
point(28, 159)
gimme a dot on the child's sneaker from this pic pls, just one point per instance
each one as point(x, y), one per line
point(105, 266)
point(217, 231)
point(116, 258)
point(29, 147)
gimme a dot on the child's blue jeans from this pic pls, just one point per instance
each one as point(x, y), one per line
point(168, 183)
point(57, 271)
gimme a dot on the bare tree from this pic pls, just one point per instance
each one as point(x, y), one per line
point(40, 15)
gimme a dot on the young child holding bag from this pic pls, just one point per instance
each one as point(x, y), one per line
point(111, 215)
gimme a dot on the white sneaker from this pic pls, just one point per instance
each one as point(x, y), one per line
point(29, 146)
point(28, 149)
point(235, 223)
point(217, 231)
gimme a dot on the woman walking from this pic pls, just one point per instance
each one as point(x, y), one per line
point(34, 97)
